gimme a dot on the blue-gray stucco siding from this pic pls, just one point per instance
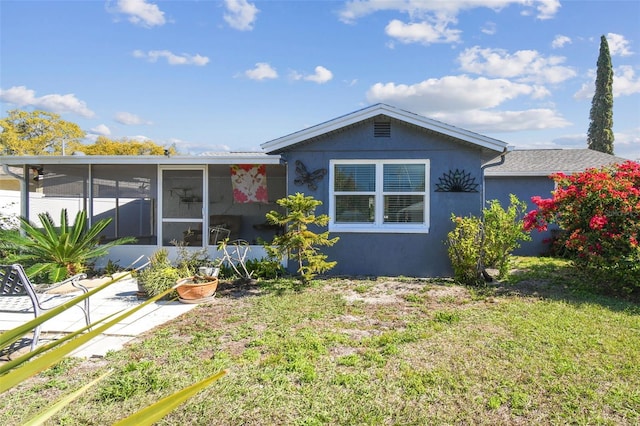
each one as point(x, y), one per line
point(523, 187)
point(391, 254)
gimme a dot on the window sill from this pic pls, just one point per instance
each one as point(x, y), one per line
point(385, 229)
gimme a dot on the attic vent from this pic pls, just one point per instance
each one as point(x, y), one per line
point(381, 129)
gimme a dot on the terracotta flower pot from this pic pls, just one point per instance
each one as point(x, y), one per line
point(193, 288)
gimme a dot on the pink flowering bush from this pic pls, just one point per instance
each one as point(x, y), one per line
point(598, 211)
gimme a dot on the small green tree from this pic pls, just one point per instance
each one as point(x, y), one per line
point(298, 242)
point(600, 135)
point(60, 251)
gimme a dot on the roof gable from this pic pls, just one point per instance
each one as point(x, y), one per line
point(281, 144)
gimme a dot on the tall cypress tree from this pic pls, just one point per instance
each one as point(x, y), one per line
point(600, 136)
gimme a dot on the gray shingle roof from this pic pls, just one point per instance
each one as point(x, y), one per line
point(543, 162)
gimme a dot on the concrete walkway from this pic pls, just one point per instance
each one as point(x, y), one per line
point(116, 297)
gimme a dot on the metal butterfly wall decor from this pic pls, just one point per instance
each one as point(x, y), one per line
point(304, 177)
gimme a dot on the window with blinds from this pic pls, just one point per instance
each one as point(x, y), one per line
point(379, 195)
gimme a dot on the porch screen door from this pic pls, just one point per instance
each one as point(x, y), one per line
point(183, 198)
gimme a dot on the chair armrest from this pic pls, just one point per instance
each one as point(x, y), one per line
point(74, 280)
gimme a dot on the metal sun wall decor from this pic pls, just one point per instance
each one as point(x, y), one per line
point(310, 179)
point(456, 181)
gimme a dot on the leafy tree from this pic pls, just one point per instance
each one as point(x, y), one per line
point(600, 136)
point(298, 242)
point(61, 251)
point(36, 133)
point(106, 146)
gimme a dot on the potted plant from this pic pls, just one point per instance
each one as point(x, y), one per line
point(197, 288)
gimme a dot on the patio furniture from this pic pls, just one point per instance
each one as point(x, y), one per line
point(218, 234)
point(231, 223)
point(15, 284)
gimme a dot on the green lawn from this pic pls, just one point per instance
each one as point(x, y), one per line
point(535, 350)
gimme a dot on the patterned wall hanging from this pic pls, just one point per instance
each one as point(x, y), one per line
point(456, 181)
point(310, 179)
point(249, 183)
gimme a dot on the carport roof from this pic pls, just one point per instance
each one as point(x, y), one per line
point(180, 160)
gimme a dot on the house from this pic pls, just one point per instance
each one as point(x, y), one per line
point(390, 181)
point(525, 173)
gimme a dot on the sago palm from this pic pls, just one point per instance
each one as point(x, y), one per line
point(63, 251)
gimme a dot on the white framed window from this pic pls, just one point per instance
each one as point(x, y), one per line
point(379, 196)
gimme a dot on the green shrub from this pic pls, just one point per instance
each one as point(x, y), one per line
point(477, 243)
point(265, 268)
point(160, 275)
point(465, 250)
point(503, 231)
point(59, 251)
point(189, 261)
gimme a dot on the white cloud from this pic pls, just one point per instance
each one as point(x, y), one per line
point(505, 121)
point(262, 71)
point(321, 75)
point(129, 119)
point(547, 9)
point(450, 93)
point(141, 13)
point(525, 65)
point(241, 14)
point(559, 41)
point(20, 96)
point(489, 28)
point(139, 138)
point(422, 32)
point(355, 9)
point(618, 45)
point(431, 21)
point(627, 144)
point(172, 58)
point(101, 129)
point(625, 82)
point(470, 102)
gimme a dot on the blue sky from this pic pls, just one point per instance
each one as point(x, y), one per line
point(230, 75)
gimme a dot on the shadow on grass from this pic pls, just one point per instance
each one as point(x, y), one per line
point(558, 279)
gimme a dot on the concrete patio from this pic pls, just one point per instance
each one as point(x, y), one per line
point(116, 297)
